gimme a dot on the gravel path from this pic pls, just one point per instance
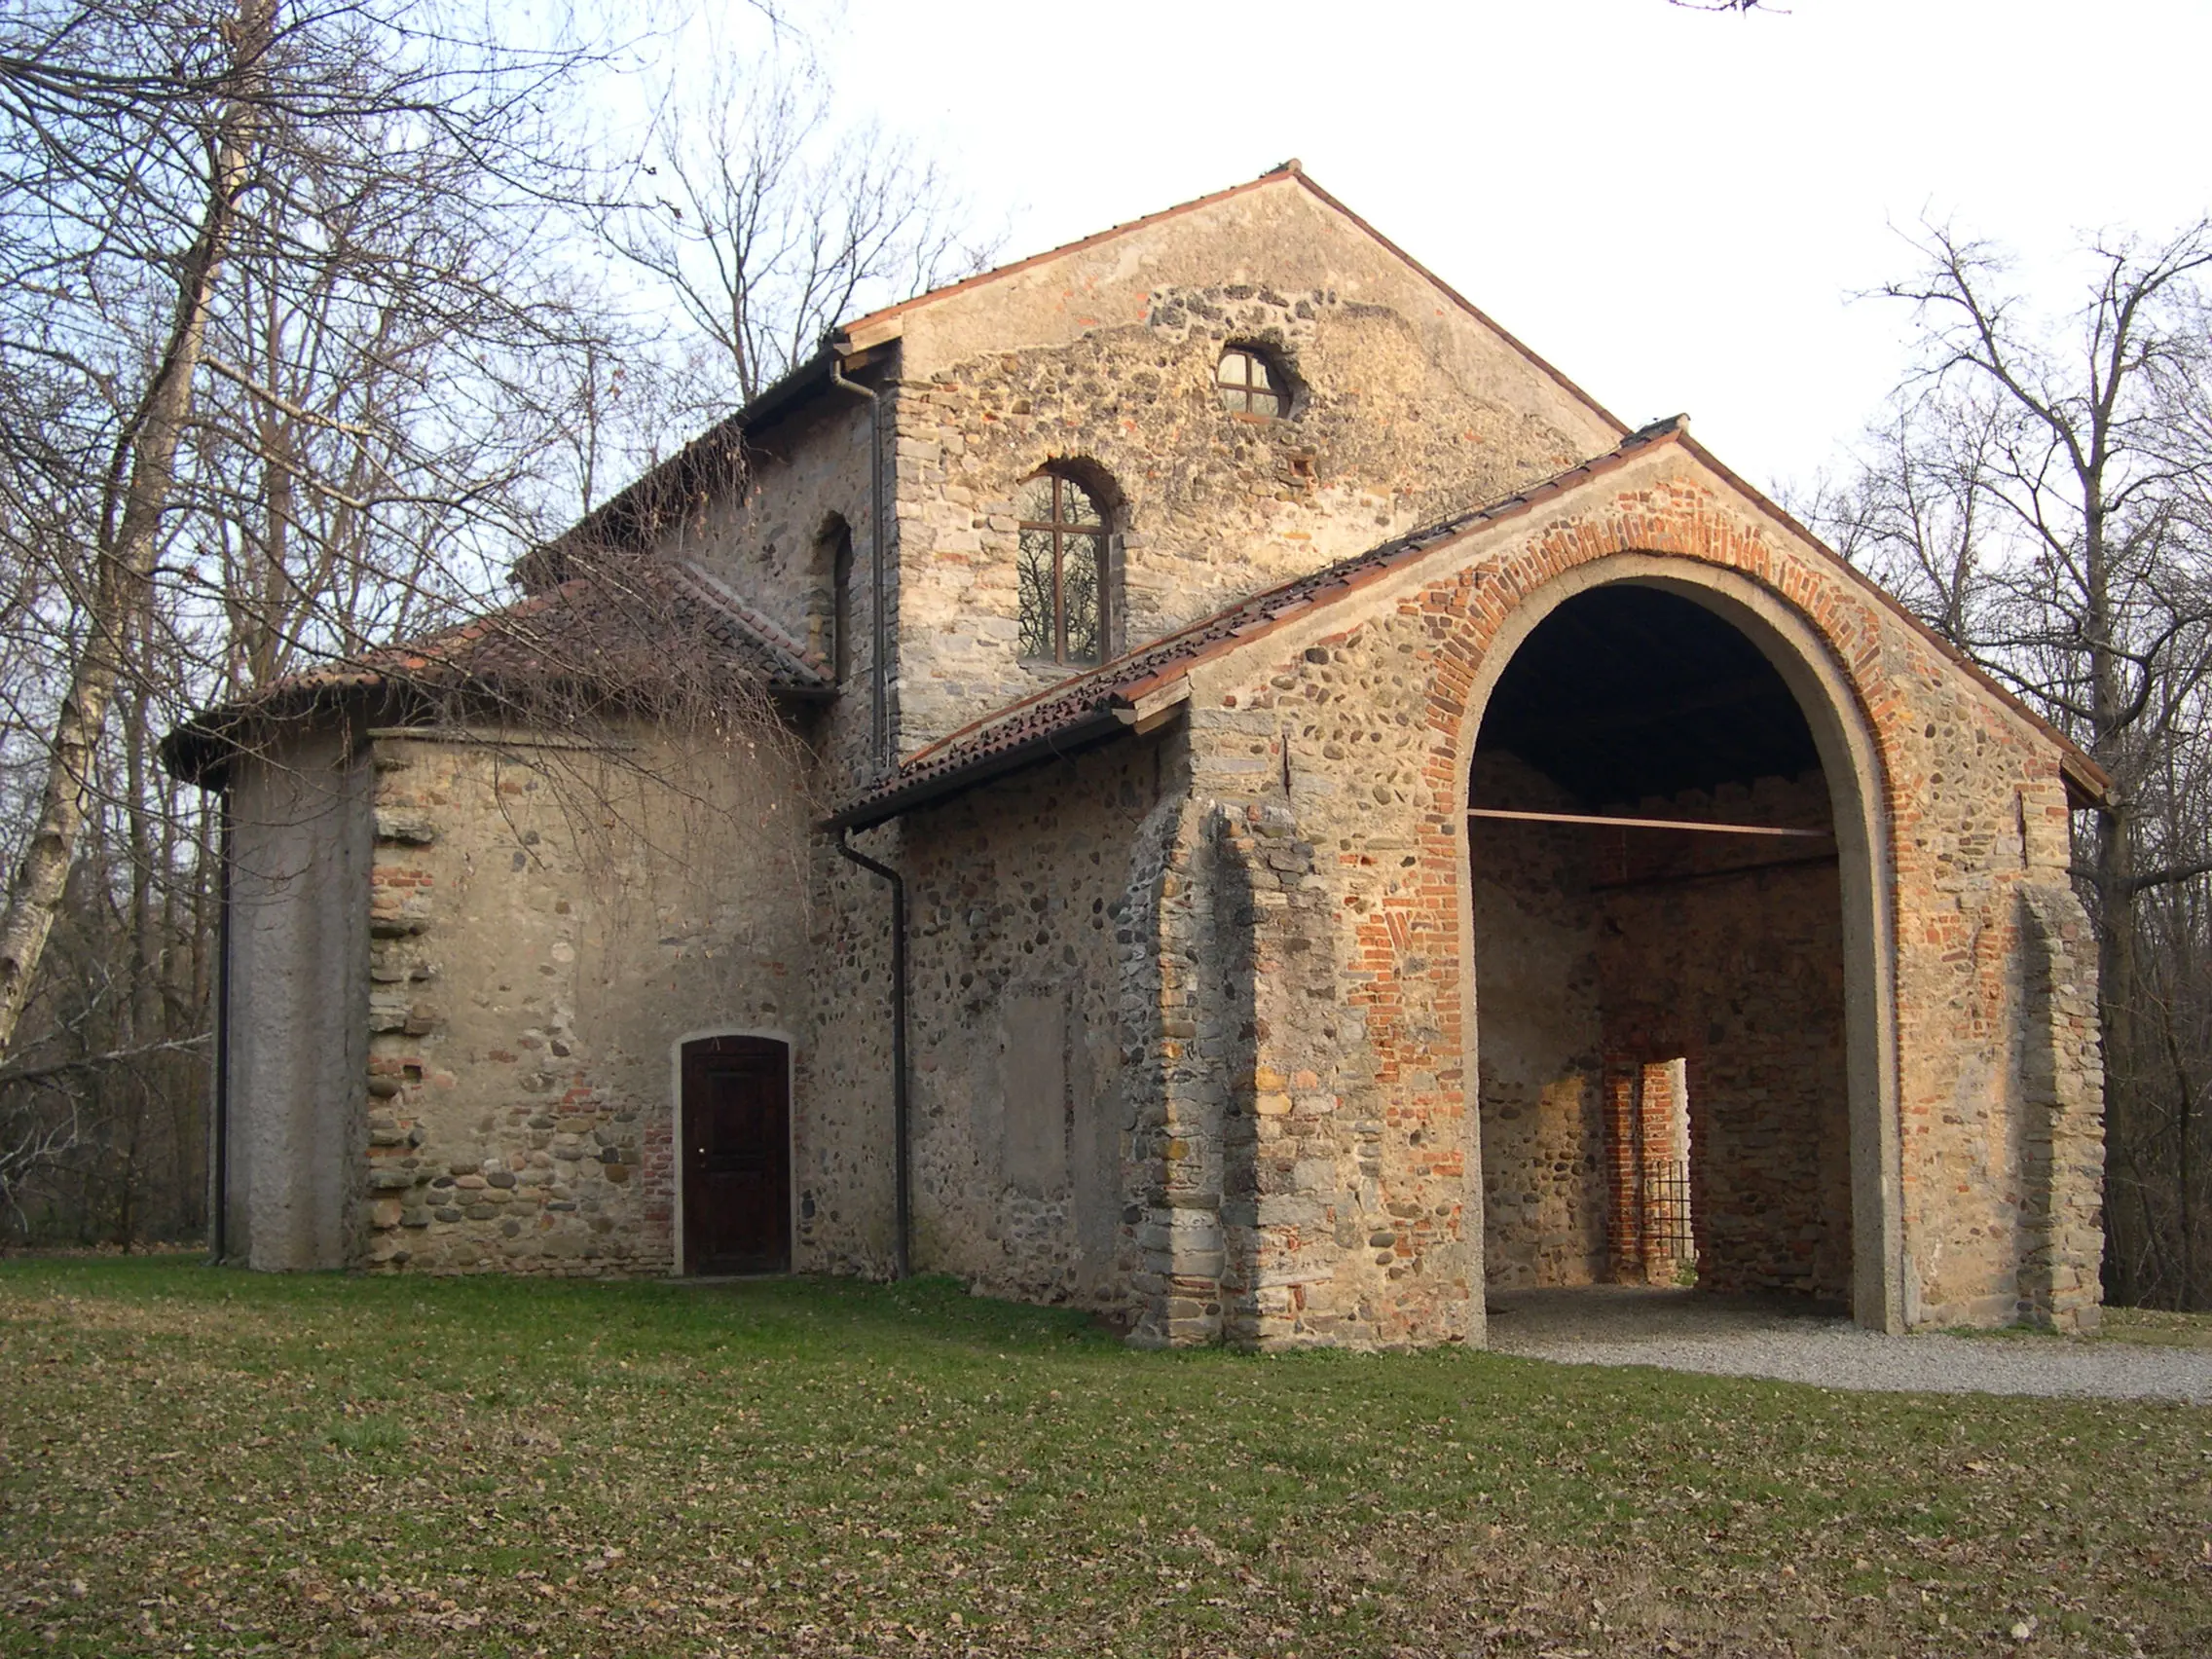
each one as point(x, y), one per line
point(1759, 1336)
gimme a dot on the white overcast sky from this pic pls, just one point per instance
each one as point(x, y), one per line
point(1678, 210)
point(1675, 209)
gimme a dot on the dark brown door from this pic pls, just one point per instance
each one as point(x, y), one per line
point(737, 1155)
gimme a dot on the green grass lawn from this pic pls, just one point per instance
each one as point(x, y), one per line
point(195, 1461)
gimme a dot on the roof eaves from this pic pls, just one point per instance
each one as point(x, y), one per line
point(1100, 725)
point(196, 749)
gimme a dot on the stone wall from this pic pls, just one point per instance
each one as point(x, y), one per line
point(1407, 406)
point(549, 920)
point(1743, 976)
point(1361, 709)
point(1208, 506)
point(1019, 941)
point(1315, 1018)
point(1600, 954)
point(297, 949)
point(843, 1147)
point(1545, 1195)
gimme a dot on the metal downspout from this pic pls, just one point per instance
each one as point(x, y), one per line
point(879, 614)
point(219, 1126)
point(879, 752)
point(901, 1261)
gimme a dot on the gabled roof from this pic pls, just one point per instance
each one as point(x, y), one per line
point(633, 516)
point(626, 630)
point(1127, 693)
point(883, 324)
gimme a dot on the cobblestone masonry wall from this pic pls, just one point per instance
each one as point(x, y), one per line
point(842, 1125)
point(546, 924)
point(1361, 710)
point(1020, 910)
point(1543, 1136)
point(1744, 977)
point(1208, 505)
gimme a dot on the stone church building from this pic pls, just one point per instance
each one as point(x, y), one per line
point(1257, 806)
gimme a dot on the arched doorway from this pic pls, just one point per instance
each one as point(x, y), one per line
point(1679, 1030)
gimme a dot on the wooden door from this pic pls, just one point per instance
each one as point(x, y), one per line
point(737, 1155)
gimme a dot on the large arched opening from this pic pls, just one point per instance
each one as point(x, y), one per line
point(1680, 1031)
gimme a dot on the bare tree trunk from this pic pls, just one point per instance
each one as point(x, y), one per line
point(130, 545)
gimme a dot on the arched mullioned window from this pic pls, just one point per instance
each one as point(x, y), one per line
point(1063, 570)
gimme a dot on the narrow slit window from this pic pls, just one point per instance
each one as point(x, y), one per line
point(1250, 384)
point(1062, 572)
point(842, 604)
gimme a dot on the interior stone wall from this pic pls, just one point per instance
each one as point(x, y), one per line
point(1545, 1191)
point(1743, 976)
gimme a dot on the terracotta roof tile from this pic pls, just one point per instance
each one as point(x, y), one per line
point(627, 628)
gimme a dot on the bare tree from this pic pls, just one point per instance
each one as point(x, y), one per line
point(772, 221)
point(262, 196)
point(297, 352)
point(2043, 495)
point(133, 493)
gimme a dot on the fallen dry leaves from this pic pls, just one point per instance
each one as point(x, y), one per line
point(208, 1463)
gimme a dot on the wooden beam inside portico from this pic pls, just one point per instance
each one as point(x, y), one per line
point(1691, 823)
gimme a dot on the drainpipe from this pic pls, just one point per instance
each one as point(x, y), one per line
point(878, 695)
point(901, 1263)
point(219, 1163)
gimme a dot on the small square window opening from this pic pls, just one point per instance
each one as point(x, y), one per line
point(1250, 384)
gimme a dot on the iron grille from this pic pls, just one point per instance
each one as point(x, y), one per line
point(1667, 1211)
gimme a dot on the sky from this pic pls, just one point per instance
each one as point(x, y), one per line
point(1680, 212)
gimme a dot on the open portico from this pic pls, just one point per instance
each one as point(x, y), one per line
point(1308, 1146)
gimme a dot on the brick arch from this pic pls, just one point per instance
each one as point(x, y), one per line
point(1826, 643)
